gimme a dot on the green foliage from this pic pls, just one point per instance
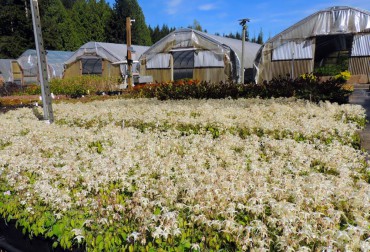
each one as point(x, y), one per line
point(16, 33)
point(78, 86)
point(4, 144)
point(140, 32)
point(157, 33)
point(97, 146)
point(91, 19)
point(303, 88)
point(58, 29)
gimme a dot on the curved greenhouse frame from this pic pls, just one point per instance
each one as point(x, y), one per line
point(192, 54)
point(337, 37)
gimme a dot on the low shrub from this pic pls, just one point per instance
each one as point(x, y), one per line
point(8, 89)
point(308, 86)
point(78, 86)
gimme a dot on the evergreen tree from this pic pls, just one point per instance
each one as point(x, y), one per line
point(79, 16)
point(260, 37)
point(16, 34)
point(140, 32)
point(196, 26)
point(68, 4)
point(57, 27)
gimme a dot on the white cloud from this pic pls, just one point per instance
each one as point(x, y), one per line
point(173, 6)
point(207, 7)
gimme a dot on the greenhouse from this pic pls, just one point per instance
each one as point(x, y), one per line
point(28, 65)
point(326, 42)
point(103, 59)
point(192, 54)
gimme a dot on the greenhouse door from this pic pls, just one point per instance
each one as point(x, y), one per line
point(183, 64)
point(332, 53)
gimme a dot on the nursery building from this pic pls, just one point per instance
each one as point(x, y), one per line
point(187, 53)
point(103, 59)
point(328, 41)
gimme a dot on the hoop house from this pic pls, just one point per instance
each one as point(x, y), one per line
point(188, 53)
point(337, 37)
point(55, 61)
point(103, 59)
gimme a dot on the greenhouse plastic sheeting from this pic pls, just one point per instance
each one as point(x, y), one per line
point(109, 51)
point(220, 49)
point(339, 20)
point(208, 59)
point(55, 61)
point(6, 69)
point(159, 61)
point(331, 21)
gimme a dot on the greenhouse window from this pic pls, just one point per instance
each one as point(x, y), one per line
point(92, 66)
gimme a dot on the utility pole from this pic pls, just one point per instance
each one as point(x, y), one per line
point(42, 65)
point(129, 51)
point(243, 23)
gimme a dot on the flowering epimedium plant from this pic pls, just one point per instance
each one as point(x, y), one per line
point(99, 179)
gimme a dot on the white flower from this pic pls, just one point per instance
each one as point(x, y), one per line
point(134, 235)
point(195, 246)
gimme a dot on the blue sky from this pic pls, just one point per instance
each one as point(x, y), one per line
point(222, 15)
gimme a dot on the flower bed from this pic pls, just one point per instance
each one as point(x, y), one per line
point(145, 175)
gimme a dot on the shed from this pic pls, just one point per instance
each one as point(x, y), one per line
point(103, 59)
point(28, 65)
point(333, 37)
point(188, 53)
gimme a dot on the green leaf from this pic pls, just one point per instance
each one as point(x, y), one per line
point(101, 246)
point(55, 244)
point(157, 211)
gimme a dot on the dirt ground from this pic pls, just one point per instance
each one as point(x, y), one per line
point(8, 103)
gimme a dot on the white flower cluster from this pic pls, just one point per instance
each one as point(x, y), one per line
point(258, 190)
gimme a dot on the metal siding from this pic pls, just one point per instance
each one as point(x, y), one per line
point(17, 72)
point(73, 70)
point(359, 65)
point(159, 75)
point(215, 75)
point(282, 68)
point(110, 70)
point(361, 45)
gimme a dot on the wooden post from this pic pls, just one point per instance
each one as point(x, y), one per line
point(243, 23)
point(129, 55)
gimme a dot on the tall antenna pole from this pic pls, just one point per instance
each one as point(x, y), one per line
point(243, 23)
point(42, 66)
